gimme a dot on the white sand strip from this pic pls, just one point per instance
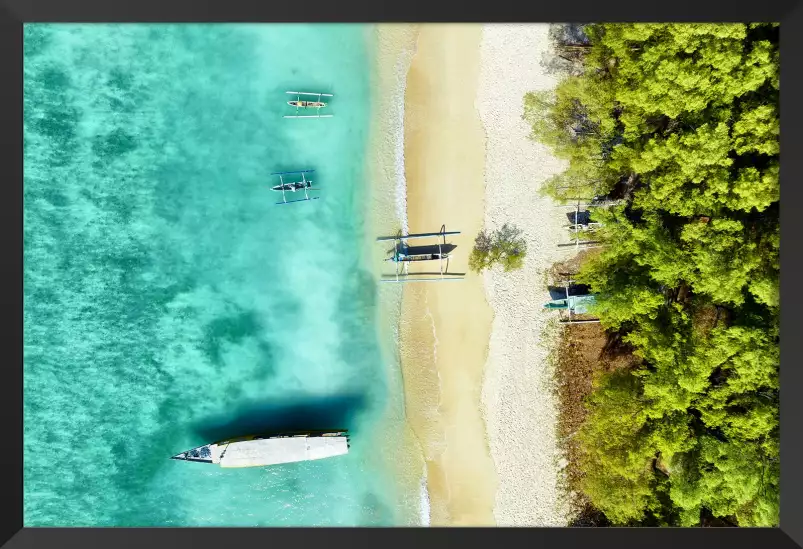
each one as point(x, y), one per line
point(519, 408)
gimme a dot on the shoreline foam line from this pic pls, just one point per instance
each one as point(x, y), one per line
point(394, 50)
point(402, 67)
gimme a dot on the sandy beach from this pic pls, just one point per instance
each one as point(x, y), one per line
point(474, 357)
point(445, 326)
point(519, 405)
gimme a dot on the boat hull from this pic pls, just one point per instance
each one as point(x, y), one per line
point(291, 187)
point(307, 104)
point(272, 449)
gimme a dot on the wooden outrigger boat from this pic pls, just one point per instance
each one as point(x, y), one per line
point(590, 226)
point(403, 254)
point(579, 224)
point(573, 305)
point(299, 104)
point(294, 186)
point(271, 449)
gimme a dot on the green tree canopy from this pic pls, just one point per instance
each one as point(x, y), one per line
point(681, 121)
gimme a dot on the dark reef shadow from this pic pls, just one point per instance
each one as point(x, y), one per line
point(277, 415)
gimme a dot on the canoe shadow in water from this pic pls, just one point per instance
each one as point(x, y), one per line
point(338, 412)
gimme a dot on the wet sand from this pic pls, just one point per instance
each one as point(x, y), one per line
point(393, 46)
point(445, 326)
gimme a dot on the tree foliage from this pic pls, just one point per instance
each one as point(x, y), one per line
point(680, 120)
point(504, 246)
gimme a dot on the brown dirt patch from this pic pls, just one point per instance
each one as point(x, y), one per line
point(571, 266)
point(583, 352)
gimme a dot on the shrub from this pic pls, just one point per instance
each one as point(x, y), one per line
point(505, 246)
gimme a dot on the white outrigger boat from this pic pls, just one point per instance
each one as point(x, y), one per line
point(265, 450)
point(299, 104)
point(294, 186)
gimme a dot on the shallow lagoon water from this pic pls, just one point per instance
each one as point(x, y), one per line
point(169, 302)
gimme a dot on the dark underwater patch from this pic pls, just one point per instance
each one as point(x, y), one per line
point(228, 329)
point(358, 341)
point(233, 392)
point(374, 512)
point(114, 144)
point(142, 463)
point(265, 366)
point(58, 123)
point(48, 113)
point(54, 196)
point(120, 80)
point(36, 38)
point(55, 80)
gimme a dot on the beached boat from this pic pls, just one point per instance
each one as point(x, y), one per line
point(577, 304)
point(404, 254)
point(274, 449)
point(574, 305)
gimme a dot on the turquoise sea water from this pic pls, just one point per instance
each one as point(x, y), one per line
point(169, 302)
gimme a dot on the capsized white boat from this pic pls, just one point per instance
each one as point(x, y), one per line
point(264, 450)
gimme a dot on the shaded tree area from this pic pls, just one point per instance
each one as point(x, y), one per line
point(681, 121)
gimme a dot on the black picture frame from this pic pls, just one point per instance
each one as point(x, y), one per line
point(14, 13)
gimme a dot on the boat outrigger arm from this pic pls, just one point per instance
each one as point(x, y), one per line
point(303, 185)
point(299, 103)
point(402, 258)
